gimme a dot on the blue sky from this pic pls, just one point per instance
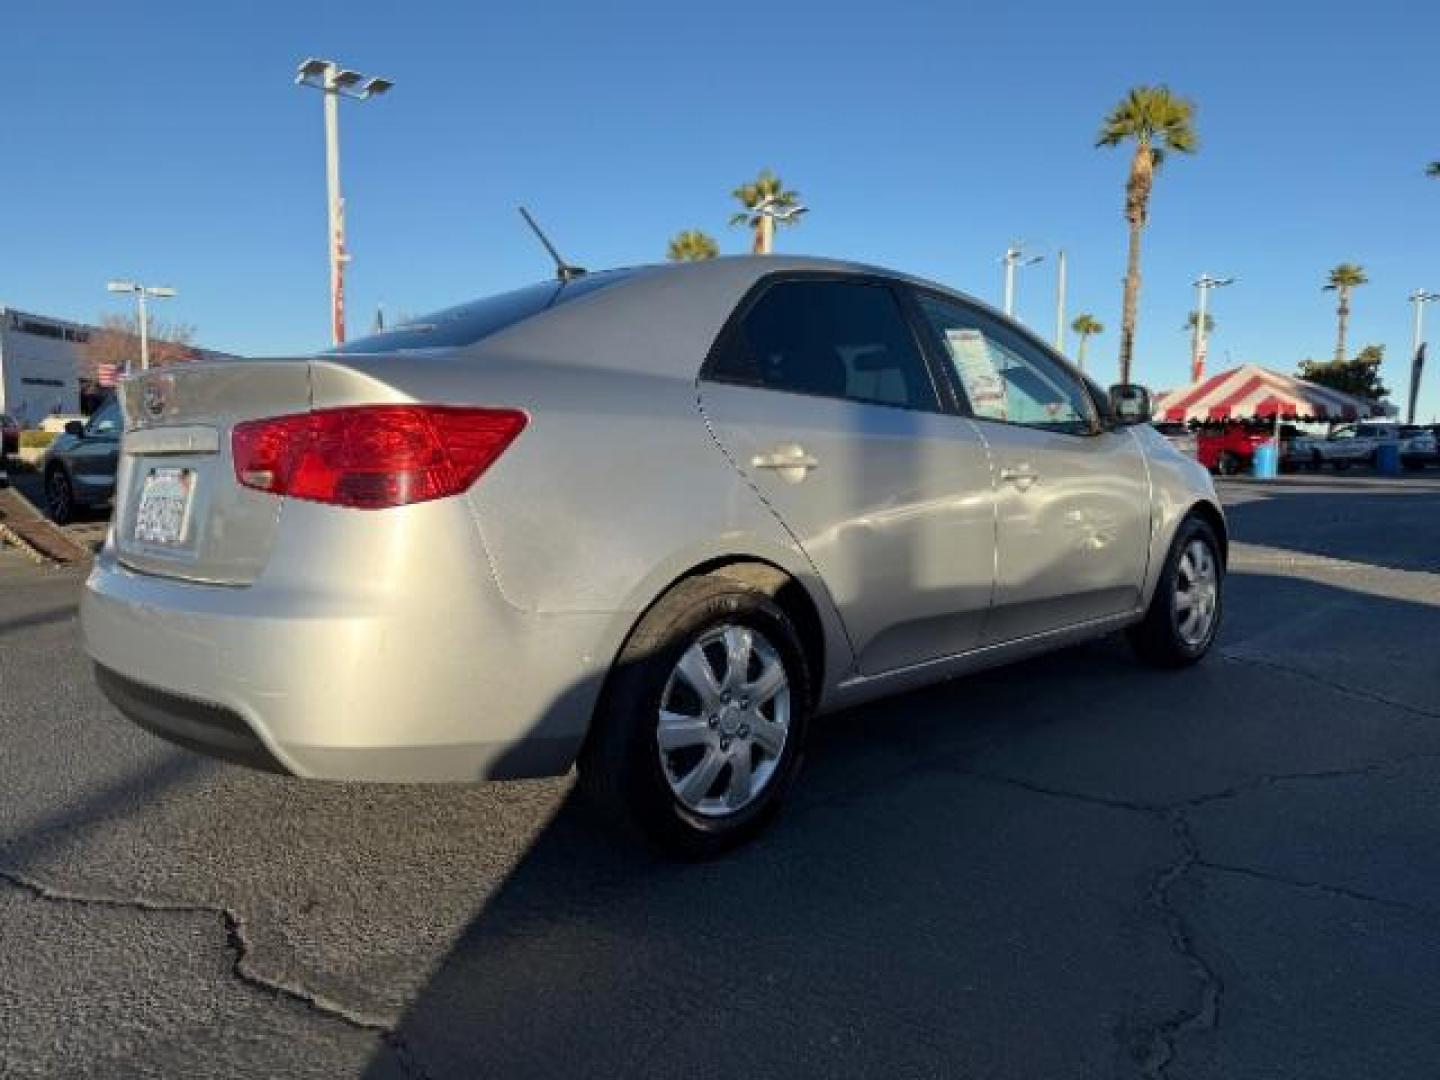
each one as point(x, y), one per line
point(167, 142)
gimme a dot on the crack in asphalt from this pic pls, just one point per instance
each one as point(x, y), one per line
point(1205, 1015)
point(1319, 886)
point(238, 944)
point(1331, 684)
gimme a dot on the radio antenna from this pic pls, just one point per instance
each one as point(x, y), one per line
point(563, 270)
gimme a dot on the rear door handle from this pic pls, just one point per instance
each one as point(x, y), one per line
point(1022, 476)
point(790, 462)
point(785, 457)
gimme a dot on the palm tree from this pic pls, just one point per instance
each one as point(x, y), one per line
point(765, 188)
point(1194, 317)
point(691, 245)
point(1433, 170)
point(1342, 280)
point(1085, 325)
point(1157, 121)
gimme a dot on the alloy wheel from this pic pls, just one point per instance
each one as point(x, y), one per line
point(1197, 593)
point(724, 720)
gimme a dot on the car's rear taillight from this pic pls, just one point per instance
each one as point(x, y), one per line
point(372, 456)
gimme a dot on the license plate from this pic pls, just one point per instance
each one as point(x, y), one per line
point(164, 507)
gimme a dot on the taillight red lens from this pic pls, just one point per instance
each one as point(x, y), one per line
point(372, 456)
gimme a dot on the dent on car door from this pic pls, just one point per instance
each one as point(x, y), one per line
point(822, 397)
point(1072, 499)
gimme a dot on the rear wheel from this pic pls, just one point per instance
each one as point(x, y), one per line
point(1316, 461)
point(59, 496)
point(703, 721)
point(1184, 614)
point(1229, 463)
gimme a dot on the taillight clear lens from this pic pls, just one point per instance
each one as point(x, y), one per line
point(372, 456)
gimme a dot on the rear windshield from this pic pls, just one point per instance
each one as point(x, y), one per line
point(469, 323)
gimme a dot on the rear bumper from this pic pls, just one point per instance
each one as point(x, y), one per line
point(429, 675)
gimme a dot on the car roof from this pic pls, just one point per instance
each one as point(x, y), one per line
point(662, 319)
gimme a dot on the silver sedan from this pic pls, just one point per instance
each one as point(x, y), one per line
point(647, 521)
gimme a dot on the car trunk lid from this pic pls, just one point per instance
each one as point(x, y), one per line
point(179, 511)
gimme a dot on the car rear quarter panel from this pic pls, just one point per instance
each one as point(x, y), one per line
point(615, 489)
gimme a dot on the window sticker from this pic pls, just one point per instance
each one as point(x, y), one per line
point(979, 373)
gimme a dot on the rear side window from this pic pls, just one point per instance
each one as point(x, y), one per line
point(835, 339)
point(472, 322)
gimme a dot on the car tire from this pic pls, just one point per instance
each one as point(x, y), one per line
point(1229, 464)
point(1341, 466)
point(657, 736)
point(1316, 461)
point(59, 496)
point(1170, 636)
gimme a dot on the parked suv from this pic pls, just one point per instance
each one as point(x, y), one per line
point(80, 466)
point(650, 521)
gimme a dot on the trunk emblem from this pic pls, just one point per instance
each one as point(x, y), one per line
point(156, 395)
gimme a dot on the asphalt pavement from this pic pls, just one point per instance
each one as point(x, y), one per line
point(1075, 867)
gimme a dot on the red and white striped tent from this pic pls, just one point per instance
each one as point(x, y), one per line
point(1249, 392)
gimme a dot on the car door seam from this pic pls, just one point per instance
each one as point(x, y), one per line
point(745, 477)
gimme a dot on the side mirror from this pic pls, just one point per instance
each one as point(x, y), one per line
point(1129, 404)
point(76, 428)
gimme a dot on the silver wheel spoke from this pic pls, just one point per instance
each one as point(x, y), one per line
point(738, 646)
point(769, 736)
point(695, 668)
point(738, 792)
point(1184, 601)
point(696, 784)
point(678, 731)
point(770, 682)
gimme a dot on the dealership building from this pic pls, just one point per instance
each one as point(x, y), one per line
point(41, 364)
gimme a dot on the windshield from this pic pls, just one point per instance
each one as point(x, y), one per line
point(468, 323)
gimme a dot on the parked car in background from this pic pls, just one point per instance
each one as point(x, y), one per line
point(1179, 436)
point(650, 521)
point(1229, 449)
point(1419, 446)
point(9, 435)
point(79, 468)
point(1359, 444)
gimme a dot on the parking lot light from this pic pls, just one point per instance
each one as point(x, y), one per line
point(142, 317)
point(336, 82)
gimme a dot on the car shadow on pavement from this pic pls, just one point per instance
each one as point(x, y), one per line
point(966, 883)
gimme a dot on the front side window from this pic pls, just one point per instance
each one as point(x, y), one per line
point(1005, 377)
point(836, 339)
point(106, 420)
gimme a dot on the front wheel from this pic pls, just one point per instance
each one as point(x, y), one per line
point(1184, 614)
point(703, 721)
point(59, 496)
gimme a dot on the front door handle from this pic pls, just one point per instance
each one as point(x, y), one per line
point(1022, 476)
point(791, 461)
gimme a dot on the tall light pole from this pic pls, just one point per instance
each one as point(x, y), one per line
point(770, 212)
point(142, 314)
point(1420, 297)
point(1015, 256)
point(1060, 301)
point(336, 82)
point(1203, 284)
